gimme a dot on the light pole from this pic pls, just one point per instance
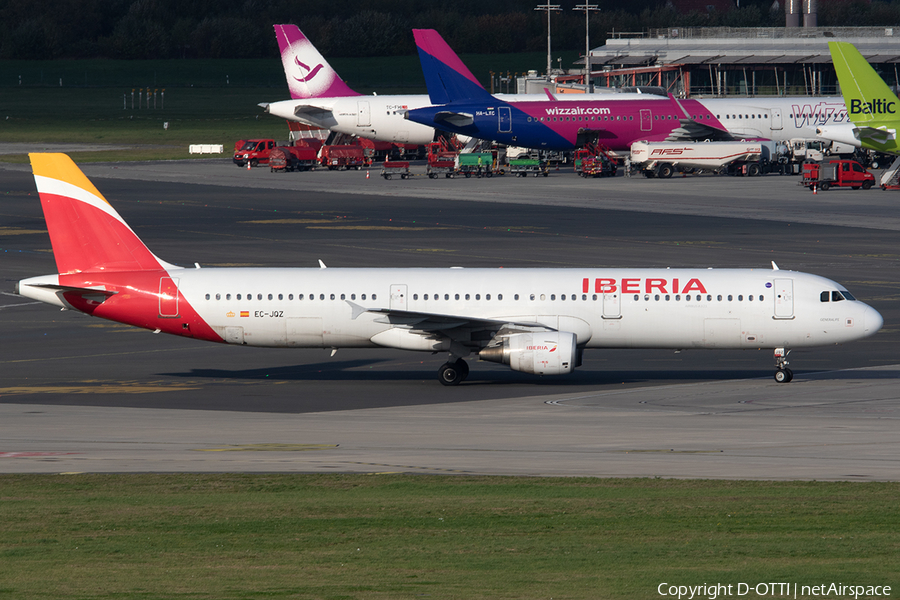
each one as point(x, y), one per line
point(549, 8)
point(587, 8)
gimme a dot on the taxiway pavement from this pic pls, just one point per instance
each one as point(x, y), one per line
point(79, 394)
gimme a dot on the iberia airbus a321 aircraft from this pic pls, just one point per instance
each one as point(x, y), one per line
point(534, 320)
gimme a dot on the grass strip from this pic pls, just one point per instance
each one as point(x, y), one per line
point(402, 536)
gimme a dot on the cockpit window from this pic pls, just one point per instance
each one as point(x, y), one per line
point(847, 295)
point(836, 297)
point(823, 297)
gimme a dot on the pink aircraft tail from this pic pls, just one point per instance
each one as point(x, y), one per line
point(308, 74)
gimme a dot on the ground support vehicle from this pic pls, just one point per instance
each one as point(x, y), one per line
point(254, 152)
point(480, 164)
point(441, 160)
point(391, 168)
point(890, 179)
point(523, 167)
point(836, 173)
point(597, 166)
point(292, 158)
point(663, 159)
point(343, 157)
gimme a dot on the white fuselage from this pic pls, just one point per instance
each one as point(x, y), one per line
point(604, 308)
point(382, 117)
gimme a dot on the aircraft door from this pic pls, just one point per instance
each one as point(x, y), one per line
point(612, 307)
point(776, 119)
point(168, 297)
point(364, 118)
point(784, 298)
point(505, 120)
point(646, 119)
point(398, 297)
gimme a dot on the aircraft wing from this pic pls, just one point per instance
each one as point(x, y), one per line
point(428, 322)
point(456, 327)
point(457, 119)
point(692, 131)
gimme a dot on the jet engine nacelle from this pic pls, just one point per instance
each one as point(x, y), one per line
point(550, 353)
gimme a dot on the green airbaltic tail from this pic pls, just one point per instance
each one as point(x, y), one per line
point(871, 105)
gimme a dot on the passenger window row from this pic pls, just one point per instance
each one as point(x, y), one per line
point(699, 297)
point(249, 297)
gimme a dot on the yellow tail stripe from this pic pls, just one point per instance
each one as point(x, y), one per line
point(62, 168)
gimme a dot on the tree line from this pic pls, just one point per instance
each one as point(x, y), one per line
point(154, 29)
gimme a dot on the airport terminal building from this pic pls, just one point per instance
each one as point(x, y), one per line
point(751, 61)
point(730, 61)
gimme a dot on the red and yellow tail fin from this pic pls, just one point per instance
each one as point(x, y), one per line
point(87, 234)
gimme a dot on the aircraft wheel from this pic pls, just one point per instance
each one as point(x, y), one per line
point(824, 186)
point(784, 375)
point(452, 373)
point(867, 185)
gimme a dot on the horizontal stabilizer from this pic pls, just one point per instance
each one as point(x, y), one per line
point(457, 119)
point(881, 135)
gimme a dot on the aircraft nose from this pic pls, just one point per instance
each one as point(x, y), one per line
point(873, 320)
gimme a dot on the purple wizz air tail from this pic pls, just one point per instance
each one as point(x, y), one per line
point(308, 74)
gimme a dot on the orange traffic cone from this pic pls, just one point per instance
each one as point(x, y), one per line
point(248, 165)
point(367, 173)
point(814, 189)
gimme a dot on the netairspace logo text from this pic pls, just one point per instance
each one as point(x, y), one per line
point(772, 590)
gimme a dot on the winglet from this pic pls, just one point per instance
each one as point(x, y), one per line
point(308, 74)
point(447, 78)
point(774, 266)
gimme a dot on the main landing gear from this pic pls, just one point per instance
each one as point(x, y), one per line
point(782, 373)
point(453, 372)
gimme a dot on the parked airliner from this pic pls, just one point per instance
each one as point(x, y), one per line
point(534, 320)
point(462, 106)
point(320, 98)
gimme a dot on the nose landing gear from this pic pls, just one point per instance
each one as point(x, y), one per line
point(782, 373)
